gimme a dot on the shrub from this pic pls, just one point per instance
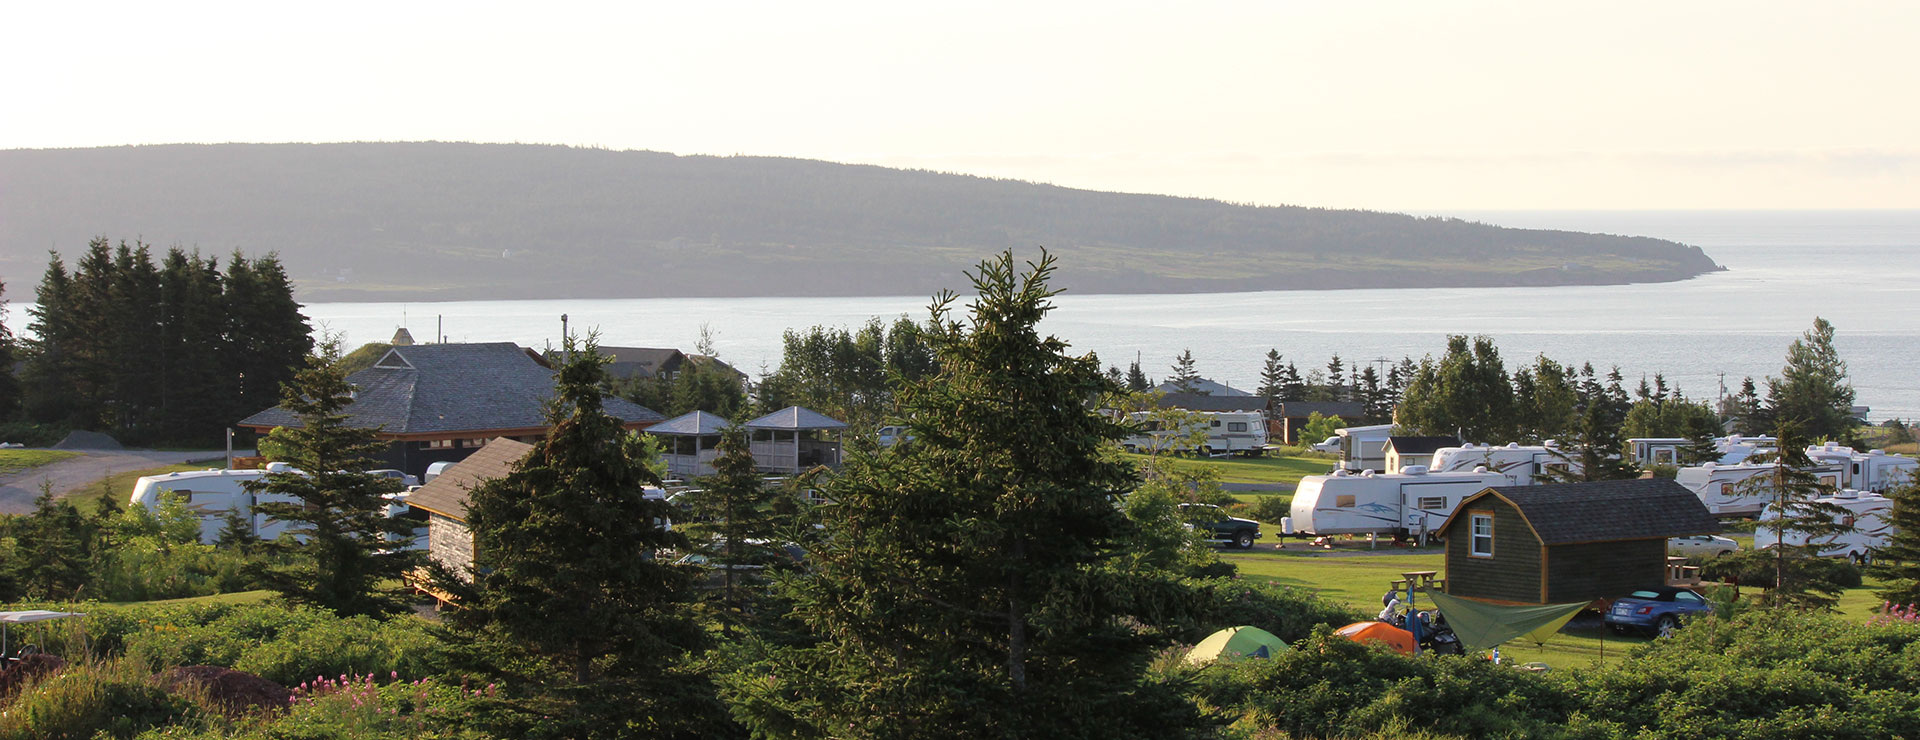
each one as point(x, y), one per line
point(116, 698)
point(1757, 568)
point(1289, 613)
point(1271, 509)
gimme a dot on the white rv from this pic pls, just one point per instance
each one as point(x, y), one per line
point(1411, 502)
point(1646, 451)
point(1867, 512)
point(1726, 491)
point(1364, 448)
point(1228, 433)
point(1874, 470)
point(1522, 466)
point(212, 493)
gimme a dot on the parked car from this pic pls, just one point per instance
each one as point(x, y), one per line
point(1214, 522)
point(1702, 544)
point(1656, 611)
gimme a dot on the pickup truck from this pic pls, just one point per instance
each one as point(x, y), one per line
point(1214, 522)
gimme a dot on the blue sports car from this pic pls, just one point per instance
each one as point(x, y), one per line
point(1656, 611)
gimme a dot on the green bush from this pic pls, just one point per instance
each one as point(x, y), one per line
point(31, 434)
point(1289, 613)
point(282, 643)
point(1756, 568)
point(1271, 509)
point(115, 698)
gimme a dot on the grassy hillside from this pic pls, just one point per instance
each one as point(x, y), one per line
point(420, 221)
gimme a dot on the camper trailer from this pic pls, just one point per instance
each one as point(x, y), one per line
point(1410, 502)
point(212, 493)
point(1731, 491)
point(1364, 448)
point(1867, 512)
point(1228, 433)
point(1522, 466)
point(1650, 451)
point(1874, 471)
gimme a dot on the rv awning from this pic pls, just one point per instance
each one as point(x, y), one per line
point(1482, 626)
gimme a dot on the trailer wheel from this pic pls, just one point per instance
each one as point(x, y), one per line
point(1243, 539)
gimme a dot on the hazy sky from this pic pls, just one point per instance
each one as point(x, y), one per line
point(1383, 105)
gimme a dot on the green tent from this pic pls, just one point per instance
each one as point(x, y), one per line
point(1234, 643)
point(1483, 626)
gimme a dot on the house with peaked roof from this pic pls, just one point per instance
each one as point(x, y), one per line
point(1557, 544)
point(449, 541)
point(689, 443)
point(1201, 386)
point(1403, 451)
point(442, 402)
point(794, 439)
point(643, 362)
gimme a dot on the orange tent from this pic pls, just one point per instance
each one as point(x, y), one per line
point(1381, 632)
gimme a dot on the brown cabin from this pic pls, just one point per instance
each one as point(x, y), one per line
point(1558, 544)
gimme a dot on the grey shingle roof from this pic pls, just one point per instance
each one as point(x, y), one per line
point(1420, 445)
point(1203, 386)
point(1304, 409)
point(1202, 402)
point(691, 424)
point(447, 494)
point(642, 362)
point(795, 417)
point(1605, 511)
point(444, 388)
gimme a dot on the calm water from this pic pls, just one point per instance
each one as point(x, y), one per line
point(1860, 270)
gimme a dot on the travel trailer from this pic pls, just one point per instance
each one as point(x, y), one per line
point(1410, 502)
point(1726, 489)
point(1867, 512)
point(1875, 470)
point(1522, 466)
point(1364, 448)
point(212, 493)
point(1648, 451)
point(1228, 433)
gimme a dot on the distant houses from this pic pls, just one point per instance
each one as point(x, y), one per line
point(788, 441)
point(442, 402)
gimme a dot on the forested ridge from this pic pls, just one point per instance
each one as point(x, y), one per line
point(416, 221)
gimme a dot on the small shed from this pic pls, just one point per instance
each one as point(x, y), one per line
point(794, 439)
point(690, 442)
point(444, 498)
point(1569, 542)
point(1403, 451)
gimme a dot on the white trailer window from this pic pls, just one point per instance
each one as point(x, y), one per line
point(1432, 502)
point(1482, 545)
point(1236, 426)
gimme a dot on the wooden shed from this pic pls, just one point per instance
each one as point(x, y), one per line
point(1569, 542)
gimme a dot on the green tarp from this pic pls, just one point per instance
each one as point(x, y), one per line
point(1482, 626)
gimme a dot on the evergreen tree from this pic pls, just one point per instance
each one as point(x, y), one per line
point(47, 378)
point(1292, 388)
point(961, 588)
point(734, 523)
point(1372, 397)
point(1744, 409)
point(9, 385)
point(1794, 512)
point(1897, 563)
point(267, 338)
point(1337, 380)
point(570, 575)
point(345, 547)
point(1183, 373)
point(1136, 380)
point(1467, 393)
point(1591, 449)
point(1700, 433)
point(52, 545)
point(1812, 390)
point(188, 363)
point(1273, 377)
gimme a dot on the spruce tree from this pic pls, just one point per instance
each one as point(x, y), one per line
point(1136, 379)
point(1897, 563)
point(1591, 449)
point(1812, 390)
point(734, 524)
point(1183, 373)
point(46, 379)
point(9, 385)
point(957, 592)
point(1273, 377)
point(1337, 380)
point(572, 574)
point(344, 547)
point(1292, 387)
point(1793, 511)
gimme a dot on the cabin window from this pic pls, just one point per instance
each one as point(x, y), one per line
point(477, 442)
point(1482, 545)
point(1236, 426)
point(1432, 502)
point(1344, 502)
point(440, 444)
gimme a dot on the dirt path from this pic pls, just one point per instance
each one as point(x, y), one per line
point(18, 491)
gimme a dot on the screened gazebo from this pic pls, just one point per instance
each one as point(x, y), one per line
point(689, 443)
point(794, 439)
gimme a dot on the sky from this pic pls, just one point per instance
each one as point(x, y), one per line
point(1423, 106)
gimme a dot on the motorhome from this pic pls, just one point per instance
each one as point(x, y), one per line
point(1648, 451)
point(1741, 490)
point(1875, 470)
point(1364, 448)
point(1522, 465)
point(1228, 433)
point(1868, 513)
point(1411, 502)
point(212, 493)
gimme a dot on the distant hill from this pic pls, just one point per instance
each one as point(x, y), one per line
point(439, 221)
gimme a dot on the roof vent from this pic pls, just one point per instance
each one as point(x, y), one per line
point(1513, 445)
point(1414, 470)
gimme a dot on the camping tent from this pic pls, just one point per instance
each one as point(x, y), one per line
point(1234, 643)
point(1380, 632)
point(1483, 626)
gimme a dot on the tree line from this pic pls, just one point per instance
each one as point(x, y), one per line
point(169, 352)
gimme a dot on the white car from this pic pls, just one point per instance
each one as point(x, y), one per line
point(1702, 544)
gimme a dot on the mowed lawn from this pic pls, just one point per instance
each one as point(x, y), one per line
point(14, 461)
point(1279, 471)
point(1359, 580)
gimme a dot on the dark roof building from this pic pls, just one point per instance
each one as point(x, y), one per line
point(1202, 386)
point(1204, 402)
point(1567, 542)
point(643, 362)
point(440, 402)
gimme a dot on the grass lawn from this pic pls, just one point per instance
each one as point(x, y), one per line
point(87, 499)
point(14, 461)
point(237, 597)
point(1282, 471)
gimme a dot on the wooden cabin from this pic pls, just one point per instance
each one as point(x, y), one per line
point(444, 498)
point(1557, 544)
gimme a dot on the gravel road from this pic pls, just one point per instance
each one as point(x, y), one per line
point(18, 491)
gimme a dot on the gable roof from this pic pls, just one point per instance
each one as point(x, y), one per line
point(1202, 402)
point(1202, 386)
point(1420, 445)
point(796, 418)
point(446, 494)
point(642, 362)
point(691, 424)
point(1304, 409)
point(1602, 511)
point(429, 389)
